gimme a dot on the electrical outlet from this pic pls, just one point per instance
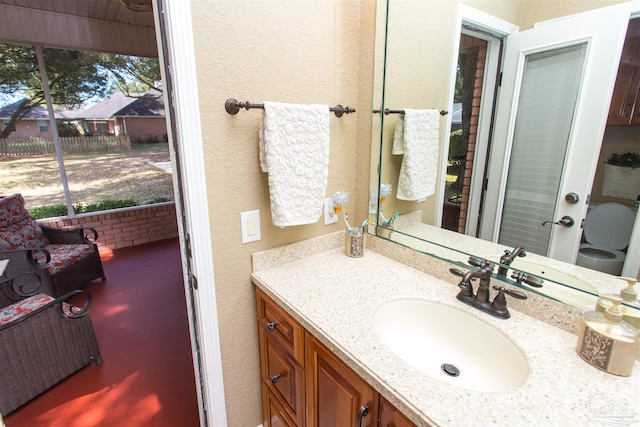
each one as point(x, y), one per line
point(250, 224)
point(330, 217)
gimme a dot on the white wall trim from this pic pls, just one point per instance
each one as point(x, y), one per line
point(181, 62)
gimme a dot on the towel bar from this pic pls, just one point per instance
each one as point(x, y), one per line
point(232, 106)
point(388, 111)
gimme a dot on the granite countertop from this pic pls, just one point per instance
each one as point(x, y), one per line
point(602, 282)
point(335, 298)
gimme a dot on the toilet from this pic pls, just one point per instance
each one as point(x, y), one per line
point(607, 230)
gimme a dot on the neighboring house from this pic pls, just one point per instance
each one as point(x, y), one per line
point(141, 117)
point(34, 124)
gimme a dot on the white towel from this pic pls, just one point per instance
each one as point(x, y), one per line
point(417, 137)
point(294, 151)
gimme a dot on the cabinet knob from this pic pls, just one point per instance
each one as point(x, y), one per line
point(363, 412)
point(272, 325)
point(274, 378)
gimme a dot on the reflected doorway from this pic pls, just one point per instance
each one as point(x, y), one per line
point(464, 131)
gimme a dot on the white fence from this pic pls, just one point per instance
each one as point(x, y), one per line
point(77, 144)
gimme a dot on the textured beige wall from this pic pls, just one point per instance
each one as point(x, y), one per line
point(542, 10)
point(295, 51)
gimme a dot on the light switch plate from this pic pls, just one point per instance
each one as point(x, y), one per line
point(250, 224)
point(330, 216)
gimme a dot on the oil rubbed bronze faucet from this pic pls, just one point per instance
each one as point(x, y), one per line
point(508, 258)
point(480, 300)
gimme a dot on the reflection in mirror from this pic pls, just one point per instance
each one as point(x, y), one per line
point(456, 219)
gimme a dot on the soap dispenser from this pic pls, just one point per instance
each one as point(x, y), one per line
point(606, 341)
point(630, 312)
point(629, 293)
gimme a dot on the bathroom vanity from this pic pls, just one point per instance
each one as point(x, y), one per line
point(323, 353)
point(305, 383)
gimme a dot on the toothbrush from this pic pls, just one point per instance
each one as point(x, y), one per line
point(384, 220)
point(394, 217)
point(346, 220)
point(364, 224)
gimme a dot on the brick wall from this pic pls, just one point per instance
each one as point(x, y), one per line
point(127, 227)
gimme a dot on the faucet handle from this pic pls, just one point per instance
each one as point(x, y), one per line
point(466, 291)
point(460, 273)
point(476, 262)
point(515, 294)
point(499, 303)
point(529, 279)
point(456, 272)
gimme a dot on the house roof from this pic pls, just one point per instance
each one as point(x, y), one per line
point(121, 105)
point(36, 113)
point(117, 105)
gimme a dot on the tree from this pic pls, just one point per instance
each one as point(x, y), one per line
point(133, 75)
point(74, 77)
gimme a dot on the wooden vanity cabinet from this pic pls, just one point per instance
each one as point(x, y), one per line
point(306, 384)
point(625, 102)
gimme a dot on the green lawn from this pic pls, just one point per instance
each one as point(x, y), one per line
point(142, 174)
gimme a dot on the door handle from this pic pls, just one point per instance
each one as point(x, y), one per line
point(565, 221)
point(363, 412)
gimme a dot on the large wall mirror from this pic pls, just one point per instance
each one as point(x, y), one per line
point(492, 131)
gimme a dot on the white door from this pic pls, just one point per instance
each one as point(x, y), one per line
point(556, 88)
point(177, 60)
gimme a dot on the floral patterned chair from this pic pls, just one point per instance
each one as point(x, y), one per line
point(43, 340)
point(65, 258)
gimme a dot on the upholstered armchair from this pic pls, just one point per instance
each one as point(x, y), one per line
point(65, 258)
point(43, 339)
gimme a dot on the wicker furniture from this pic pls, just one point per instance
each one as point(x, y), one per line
point(65, 258)
point(43, 339)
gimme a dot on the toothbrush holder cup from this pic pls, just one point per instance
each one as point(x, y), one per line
point(354, 243)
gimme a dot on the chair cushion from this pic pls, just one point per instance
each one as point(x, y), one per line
point(12, 210)
point(25, 234)
point(63, 255)
point(22, 307)
point(27, 305)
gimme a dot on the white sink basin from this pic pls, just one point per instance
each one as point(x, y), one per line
point(579, 293)
point(429, 335)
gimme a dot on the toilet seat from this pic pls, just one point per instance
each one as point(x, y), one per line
point(609, 225)
point(601, 253)
point(607, 230)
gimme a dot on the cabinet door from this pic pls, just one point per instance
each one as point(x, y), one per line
point(624, 101)
point(336, 396)
point(391, 417)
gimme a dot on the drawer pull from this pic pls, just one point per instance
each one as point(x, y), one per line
point(274, 378)
point(272, 325)
point(363, 412)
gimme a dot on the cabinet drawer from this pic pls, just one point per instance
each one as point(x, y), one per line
point(273, 413)
point(282, 376)
point(280, 326)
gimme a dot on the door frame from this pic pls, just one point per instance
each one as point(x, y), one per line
point(177, 41)
point(632, 261)
point(499, 29)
